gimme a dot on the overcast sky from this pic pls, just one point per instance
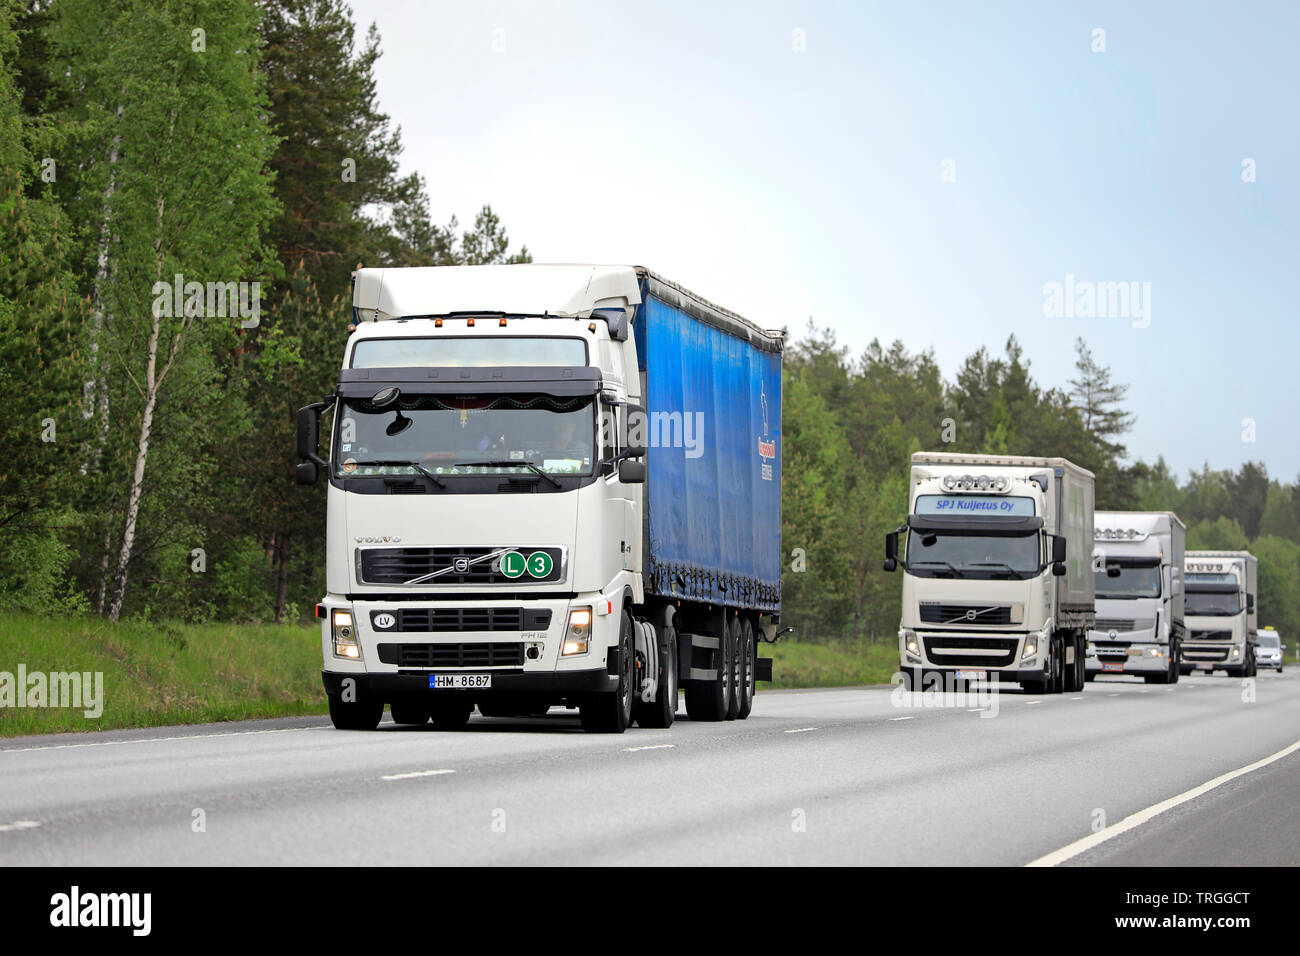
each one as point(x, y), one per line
point(789, 160)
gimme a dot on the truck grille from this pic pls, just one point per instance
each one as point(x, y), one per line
point(439, 619)
point(971, 652)
point(1123, 624)
point(1212, 654)
point(965, 613)
point(1209, 635)
point(400, 565)
point(497, 654)
point(1111, 652)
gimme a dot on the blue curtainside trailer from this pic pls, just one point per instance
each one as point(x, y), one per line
point(712, 387)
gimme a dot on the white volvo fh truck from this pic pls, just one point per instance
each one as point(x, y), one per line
point(997, 571)
point(547, 485)
point(1139, 627)
point(1222, 619)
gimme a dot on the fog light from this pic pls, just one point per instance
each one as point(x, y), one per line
point(578, 636)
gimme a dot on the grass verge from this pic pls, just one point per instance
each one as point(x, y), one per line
point(840, 664)
point(157, 673)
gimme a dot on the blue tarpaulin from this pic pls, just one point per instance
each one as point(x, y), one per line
point(713, 488)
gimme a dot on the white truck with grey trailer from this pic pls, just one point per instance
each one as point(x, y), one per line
point(998, 571)
point(1222, 617)
point(1140, 627)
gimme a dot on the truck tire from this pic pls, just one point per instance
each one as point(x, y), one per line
point(661, 711)
point(611, 712)
point(1175, 662)
point(360, 714)
point(706, 700)
point(450, 714)
point(748, 683)
point(1056, 680)
point(408, 712)
point(734, 641)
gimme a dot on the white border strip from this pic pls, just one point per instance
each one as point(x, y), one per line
point(1142, 816)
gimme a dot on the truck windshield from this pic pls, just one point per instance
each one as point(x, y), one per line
point(1128, 580)
point(1212, 604)
point(452, 436)
point(967, 554)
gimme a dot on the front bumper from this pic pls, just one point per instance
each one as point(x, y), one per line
point(561, 684)
point(1117, 662)
point(1000, 655)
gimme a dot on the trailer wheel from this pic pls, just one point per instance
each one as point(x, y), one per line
point(360, 714)
point(610, 713)
point(661, 711)
point(734, 640)
point(408, 713)
point(748, 681)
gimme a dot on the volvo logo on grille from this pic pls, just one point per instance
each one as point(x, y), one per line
point(461, 565)
point(970, 614)
point(384, 621)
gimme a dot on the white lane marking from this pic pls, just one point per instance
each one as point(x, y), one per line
point(1076, 698)
point(1112, 695)
point(1032, 702)
point(19, 825)
point(975, 710)
point(802, 730)
point(1142, 816)
point(154, 740)
point(414, 773)
point(632, 750)
point(908, 717)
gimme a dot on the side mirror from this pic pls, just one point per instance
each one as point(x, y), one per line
point(1058, 549)
point(305, 473)
point(308, 431)
point(1058, 569)
point(631, 472)
point(634, 451)
point(891, 551)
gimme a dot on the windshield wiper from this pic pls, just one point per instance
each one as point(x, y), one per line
point(945, 564)
point(507, 464)
point(994, 564)
point(408, 464)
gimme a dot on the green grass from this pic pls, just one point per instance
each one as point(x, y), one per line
point(841, 664)
point(156, 673)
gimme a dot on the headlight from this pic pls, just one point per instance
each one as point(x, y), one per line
point(578, 636)
point(1236, 652)
point(1153, 651)
point(345, 636)
point(1031, 648)
point(911, 643)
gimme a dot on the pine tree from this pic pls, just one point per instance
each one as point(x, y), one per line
point(1099, 401)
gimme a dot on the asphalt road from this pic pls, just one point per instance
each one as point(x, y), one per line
point(812, 777)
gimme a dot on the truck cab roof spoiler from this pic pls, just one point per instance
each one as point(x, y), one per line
point(551, 380)
point(983, 523)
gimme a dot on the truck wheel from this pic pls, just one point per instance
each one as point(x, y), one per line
point(706, 700)
point(610, 713)
point(359, 714)
point(450, 714)
point(734, 641)
point(1056, 682)
point(661, 711)
point(408, 713)
point(748, 682)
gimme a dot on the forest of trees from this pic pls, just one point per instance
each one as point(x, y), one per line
point(149, 465)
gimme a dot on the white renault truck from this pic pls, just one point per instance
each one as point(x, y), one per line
point(997, 571)
point(1139, 627)
point(1222, 619)
point(547, 485)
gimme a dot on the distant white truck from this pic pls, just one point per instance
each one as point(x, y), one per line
point(1140, 625)
point(1222, 617)
point(998, 572)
